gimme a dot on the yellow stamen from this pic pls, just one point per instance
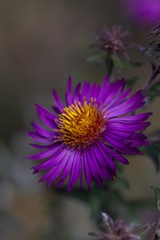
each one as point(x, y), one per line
point(80, 124)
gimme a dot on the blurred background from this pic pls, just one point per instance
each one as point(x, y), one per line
point(41, 44)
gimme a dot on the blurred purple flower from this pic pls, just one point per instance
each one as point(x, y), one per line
point(111, 42)
point(143, 11)
point(85, 138)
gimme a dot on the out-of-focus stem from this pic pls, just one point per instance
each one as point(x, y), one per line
point(148, 83)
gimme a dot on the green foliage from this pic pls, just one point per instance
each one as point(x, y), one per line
point(131, 82)
point(154, 91)
point(120, 63)
point(96, 58)
point(153, 151)
point(122, 181)
point(109, 65)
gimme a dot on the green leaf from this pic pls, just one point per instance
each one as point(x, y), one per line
point(131, 82)
point(117, 62)
point(122, 181)
point(153, 151)
point(154, 91)
point(121, 63)
point(96, 58)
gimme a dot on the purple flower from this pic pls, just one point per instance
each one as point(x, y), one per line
point(143, 11)
point(85, 138)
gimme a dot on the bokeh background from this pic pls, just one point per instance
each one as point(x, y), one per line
point(41, 44)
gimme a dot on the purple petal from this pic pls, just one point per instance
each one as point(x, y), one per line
point(52, 161)
point(113, 95)
point(69, 92)
point(95, 170)
point(75, 171)
point(41, 131)
point(57, 100)
point(77, 93)
point(133, 103)
point(119, 133)
point(85, 91)
point(119, 145)
point(87, 171)
point(105, 171)
point(45, 154)
point(94, 90)
point(103, 88)
point(55, 171)
point(132, 119)
point(47, 117)
point(56, 109)
point(115, 155)
point(108, 161)
point(128, 127)
point(66, 170)
point(36, 137)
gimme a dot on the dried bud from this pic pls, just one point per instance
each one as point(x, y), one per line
point(112, 42)
point(120, 229)
point(157, 232)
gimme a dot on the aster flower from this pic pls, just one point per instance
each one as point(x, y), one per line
point(85, 138)
point(120, 229)
point(144, 12)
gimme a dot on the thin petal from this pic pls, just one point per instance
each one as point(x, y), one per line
point(74, 174)
point(65, 173)
point(111, 166)
point(77, 93)
point(132, 119)
point(105, 171)
point(103, 88)
point(129, 127)
point(36, 137)
point(55, 171)
point(52, 161)
point(94, 168)
point(115, 155)
point(41, 131)
point(87, 171)
point(131, 104)
point(45, 154)
point(57, 100)
point(69, 92)
point(85, 91)
point(47, 117)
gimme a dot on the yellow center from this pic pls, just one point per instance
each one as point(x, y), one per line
point(80, 124)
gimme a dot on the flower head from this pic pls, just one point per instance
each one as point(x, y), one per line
point(85, 138)
point(112, 42)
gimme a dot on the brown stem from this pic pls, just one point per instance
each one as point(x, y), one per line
point(148, 83)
